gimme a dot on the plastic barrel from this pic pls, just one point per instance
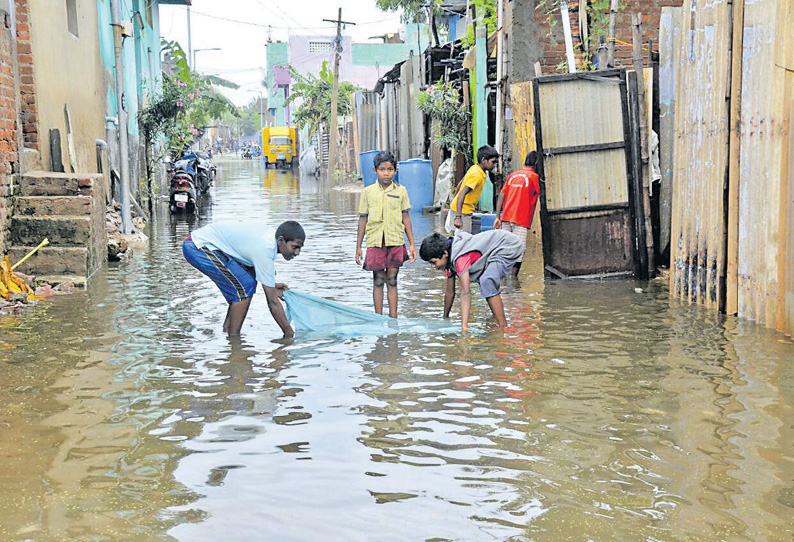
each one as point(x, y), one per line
point(416, 175)
point(367, 161)
point(476, 223)
point(486, 221)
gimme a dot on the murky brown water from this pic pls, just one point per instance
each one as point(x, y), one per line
point(600, 414)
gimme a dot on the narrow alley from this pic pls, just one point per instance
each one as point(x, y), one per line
point(126, 414)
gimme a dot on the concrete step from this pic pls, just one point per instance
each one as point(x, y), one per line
point(57, 280)
point(60, 230)
point(50, 183)
point(53, 205)
point(51, 260)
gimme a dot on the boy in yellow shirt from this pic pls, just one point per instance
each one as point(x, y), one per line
point(470, 189)
point(384, 216)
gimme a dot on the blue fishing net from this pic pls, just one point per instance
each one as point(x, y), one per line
point(316, 314)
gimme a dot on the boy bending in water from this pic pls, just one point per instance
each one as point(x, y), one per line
point(384, 216)
point(483, 258)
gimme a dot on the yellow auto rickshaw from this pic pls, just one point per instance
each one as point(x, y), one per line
point(280, 146)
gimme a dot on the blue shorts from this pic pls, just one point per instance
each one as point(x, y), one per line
point(491, 279)
point(235, 281)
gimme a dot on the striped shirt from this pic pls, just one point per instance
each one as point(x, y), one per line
point(384, 211)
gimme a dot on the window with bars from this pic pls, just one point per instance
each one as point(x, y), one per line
point(319, 46)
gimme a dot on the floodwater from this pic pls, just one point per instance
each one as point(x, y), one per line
point(601, 413)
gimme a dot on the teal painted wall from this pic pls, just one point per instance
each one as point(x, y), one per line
point(277, 55)
point(138, 71)
point(417, 38)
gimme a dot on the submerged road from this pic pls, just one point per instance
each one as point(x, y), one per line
point(601, 413)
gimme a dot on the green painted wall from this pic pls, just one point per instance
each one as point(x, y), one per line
point(276, 55)
point(417, 38)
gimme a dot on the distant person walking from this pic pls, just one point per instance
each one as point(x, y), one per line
point(468, 194)
point(515, 206)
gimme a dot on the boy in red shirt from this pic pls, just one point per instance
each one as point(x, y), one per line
point(519, 196)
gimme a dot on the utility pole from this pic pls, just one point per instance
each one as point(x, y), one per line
point(189, 40)
point(335, 95)
point(124, 186)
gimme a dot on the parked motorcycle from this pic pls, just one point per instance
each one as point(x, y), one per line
point(209, 163)
point(198, 168)
point(182, 195)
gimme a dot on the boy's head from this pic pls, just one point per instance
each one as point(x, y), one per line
point(289, 239)
point(385, 167)
point(435, 249)
point(487, 157)
point(531, 160)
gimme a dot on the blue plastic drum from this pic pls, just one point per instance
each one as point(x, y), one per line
point(416, 175)
point(486, 221)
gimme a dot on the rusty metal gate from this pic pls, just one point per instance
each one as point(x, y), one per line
point(588, 200)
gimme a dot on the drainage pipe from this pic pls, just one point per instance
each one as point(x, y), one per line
point(124, 185)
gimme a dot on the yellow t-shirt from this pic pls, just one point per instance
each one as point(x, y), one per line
point(474, 179)
point(384, 212)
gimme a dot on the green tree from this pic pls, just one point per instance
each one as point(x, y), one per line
point(413, 11)
point(442, 103)
point(314, 96)
point(180, 112)
point(247, 120)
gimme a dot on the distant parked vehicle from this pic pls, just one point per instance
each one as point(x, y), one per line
point(209, 163)
point(182, 195)
point(198, 167)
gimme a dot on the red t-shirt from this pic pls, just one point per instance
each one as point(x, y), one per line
point(521, 191)
point(464, 262)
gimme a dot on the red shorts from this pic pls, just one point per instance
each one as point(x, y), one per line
point(379, 258)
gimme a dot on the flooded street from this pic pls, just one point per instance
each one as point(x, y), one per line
point(601, 413)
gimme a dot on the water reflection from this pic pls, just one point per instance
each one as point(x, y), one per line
point(600, 413)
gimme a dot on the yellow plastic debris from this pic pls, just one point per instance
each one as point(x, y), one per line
point(11, 283)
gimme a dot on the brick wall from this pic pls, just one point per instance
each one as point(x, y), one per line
point(8, 126)
point(553, 43)
point(27, 88)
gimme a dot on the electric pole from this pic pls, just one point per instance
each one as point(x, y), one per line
point(335, 95)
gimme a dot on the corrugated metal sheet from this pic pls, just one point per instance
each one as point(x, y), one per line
point(388, 116)
point(583, 178)
point(669, 27)
point(766, 224)
point(584, 131)
point(367, 117)
point(697, 249)
point(587, 178)
point(733, 217)
point(523, 110)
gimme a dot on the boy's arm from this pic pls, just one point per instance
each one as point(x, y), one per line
point(362, 226)
point(449, 295)
point(277, 310)
point(459, 211)
point(409, 231)
point(465, 301)
point(499, 202)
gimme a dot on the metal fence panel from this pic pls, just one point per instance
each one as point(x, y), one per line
point(766, 218)
point(697, 249)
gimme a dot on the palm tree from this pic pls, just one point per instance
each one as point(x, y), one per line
point(314, 96)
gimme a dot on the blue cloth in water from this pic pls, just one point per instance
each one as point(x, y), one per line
point(311, 313)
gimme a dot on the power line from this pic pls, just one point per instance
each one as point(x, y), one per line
point(251, 23)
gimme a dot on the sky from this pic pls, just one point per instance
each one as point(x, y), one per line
point(241, 28)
